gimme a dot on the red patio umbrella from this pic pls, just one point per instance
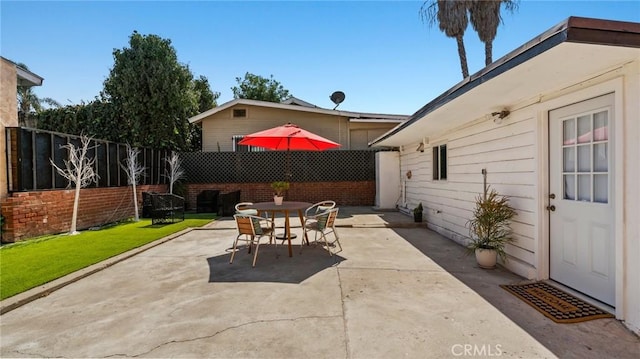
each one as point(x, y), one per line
point(288, 137)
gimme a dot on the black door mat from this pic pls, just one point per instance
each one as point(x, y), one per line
point(556, 304)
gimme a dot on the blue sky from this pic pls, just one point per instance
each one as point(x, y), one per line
point(378, 53)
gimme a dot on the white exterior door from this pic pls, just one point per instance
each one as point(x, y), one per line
point(581, 210)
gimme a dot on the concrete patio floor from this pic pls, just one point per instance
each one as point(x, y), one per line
point(397, 290)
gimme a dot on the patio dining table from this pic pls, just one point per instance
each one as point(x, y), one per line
point(286, 208)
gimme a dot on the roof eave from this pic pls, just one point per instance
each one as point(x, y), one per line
point(26, 78)
point(573, 29)
point(201, 116)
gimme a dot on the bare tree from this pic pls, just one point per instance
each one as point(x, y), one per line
point(134, 171)
point(78, 170)
point(174, 171)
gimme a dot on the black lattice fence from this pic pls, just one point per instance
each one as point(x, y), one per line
point(29, 151)
point(305, 166)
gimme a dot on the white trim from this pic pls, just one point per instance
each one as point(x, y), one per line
point(542, 251)
point(378, 120)
point(618, 216)
point(28, 78)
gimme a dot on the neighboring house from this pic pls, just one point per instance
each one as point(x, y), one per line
point(11, 75)
point(556, 126)
point(224, 126)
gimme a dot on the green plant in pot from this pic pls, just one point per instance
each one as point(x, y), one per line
point(417, 213)
point(489, 228)
point(279, 187)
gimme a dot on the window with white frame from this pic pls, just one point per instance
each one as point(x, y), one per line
point(243, 148)
point(440, 162)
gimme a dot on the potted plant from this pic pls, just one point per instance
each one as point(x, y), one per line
point(417, 213)
point(489, 228)
point(279, 187)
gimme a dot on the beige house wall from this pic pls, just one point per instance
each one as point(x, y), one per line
point(361, 133)
point(8, 115)
point(218, 129)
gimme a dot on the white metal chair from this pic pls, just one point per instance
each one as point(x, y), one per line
point(323, 224)
point(244, 208)
point(251, 229)
point(317, 208)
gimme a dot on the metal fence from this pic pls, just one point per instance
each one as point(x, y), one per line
point(305, 166)
point(29, 168)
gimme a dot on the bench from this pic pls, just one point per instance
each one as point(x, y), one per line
point(166, 208)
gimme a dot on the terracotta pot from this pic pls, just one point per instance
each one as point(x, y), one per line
point(486, 258)
point(278, 200)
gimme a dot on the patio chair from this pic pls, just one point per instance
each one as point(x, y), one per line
point(244, 208)
point(323, 224)
point(317, 208)
point(251, 229)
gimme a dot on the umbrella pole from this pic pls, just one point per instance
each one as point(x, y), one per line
point(287, 178)
point(287, 170)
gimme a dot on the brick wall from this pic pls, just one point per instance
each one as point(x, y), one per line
point(346, 193)
point(30, 214)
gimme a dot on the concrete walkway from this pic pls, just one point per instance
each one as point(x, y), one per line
point(397, 290)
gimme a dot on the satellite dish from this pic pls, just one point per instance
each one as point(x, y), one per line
point(337, 98)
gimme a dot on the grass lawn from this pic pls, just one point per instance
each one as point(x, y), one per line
point(28, 264)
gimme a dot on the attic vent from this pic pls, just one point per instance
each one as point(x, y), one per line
point(239, 112)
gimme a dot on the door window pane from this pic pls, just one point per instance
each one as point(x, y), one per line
point(600, 158)
point(584, 187)
point(584, 158)
point(569, 187)
point(601, 126)
point(569, 162)
point(584, 129)
point(569, 132)
point(600, 188)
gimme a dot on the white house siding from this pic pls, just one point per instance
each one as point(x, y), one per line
point(507, 152)
point(624, 83)
point(514, 154)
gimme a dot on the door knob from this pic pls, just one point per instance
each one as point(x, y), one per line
point(551, 208)
point(552, 196)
